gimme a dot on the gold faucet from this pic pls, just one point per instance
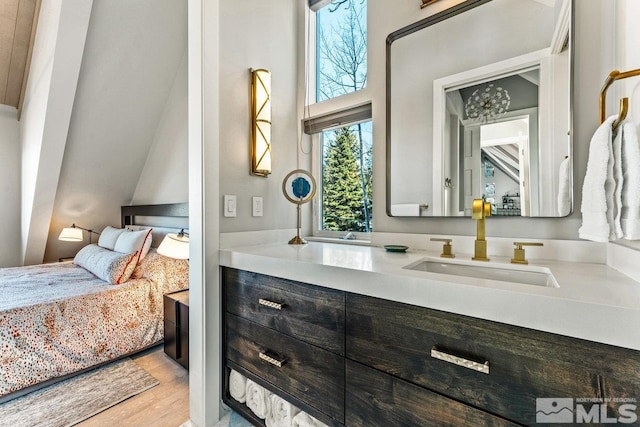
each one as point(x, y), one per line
point(518, 252)
point(479, 211)
point(446, 247)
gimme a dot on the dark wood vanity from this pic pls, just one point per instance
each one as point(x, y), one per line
point(356, 360)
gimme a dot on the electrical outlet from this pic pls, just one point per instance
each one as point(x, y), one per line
point(257, 206)
point(229, 205)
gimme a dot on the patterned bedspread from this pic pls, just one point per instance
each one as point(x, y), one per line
point(56, 319)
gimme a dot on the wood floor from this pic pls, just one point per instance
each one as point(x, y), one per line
point(165, 405)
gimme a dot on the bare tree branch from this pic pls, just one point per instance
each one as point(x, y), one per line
point(344, 50)
point(335, 5)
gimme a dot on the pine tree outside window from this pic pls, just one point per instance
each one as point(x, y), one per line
point(346, 186)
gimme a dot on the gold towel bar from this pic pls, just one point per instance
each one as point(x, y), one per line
point(624, 102)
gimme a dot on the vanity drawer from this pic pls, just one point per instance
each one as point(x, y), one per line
point(313, 375)
point(310, 313)
point(524, 364)
point(378, 399)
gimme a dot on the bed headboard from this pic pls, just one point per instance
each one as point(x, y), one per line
point(159, 217)
point(129, 213)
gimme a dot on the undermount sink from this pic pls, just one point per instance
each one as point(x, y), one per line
point(537, 276)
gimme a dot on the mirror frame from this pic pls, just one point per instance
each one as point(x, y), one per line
point(434, 19)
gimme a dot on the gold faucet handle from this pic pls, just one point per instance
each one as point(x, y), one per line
point(446, 248)
point(518, 252)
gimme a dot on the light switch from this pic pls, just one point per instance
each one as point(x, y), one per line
point(257, 206)
point(229, 205)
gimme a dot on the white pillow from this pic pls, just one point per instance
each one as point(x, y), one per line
point(109, 236)
point(134, 241)
point(110, 266)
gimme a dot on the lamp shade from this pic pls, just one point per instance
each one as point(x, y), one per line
point(174, 246)
point(71, 234)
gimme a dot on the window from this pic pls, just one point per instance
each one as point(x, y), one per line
point(342, 126)
point(341, 48)
point(346, 183)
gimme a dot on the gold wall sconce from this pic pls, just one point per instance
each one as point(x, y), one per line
point(426, 3)
point(260, 122)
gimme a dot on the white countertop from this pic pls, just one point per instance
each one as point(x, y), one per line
point(593, 301)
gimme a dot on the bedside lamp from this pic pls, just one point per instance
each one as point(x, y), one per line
point(74, 234)
point(175, 245)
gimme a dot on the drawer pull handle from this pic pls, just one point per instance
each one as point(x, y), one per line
point(465, 363)
point(271, 304)
point(276, 362)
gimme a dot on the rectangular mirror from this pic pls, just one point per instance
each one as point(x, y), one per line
point(479, 105)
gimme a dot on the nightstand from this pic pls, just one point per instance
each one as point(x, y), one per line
point(176, 326)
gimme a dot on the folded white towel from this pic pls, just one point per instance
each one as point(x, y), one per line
point(405, 209)
point(630, 218)
point(564, 187)
point(238, 386)
point(599, 186)
point(258, 400)
point(305, 420)
point(282, 412)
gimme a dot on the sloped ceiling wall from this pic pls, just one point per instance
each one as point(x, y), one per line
point(44, 125)
point(132, 54)
point(16, 22)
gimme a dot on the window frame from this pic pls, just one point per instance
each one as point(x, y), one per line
point(314, 54)
point(313, 107)
point(317, 167)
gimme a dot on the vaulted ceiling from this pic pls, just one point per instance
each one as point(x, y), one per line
point(17, 24)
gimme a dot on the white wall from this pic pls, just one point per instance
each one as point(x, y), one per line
point(204, 225)
point(49, 97)
point(164, 178)
point(10, 250)
point(226, 39)
point(129, 66)
point(258, 34)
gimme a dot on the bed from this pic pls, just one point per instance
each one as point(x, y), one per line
point(59, 319)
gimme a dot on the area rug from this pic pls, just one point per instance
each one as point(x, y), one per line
point(76, 399)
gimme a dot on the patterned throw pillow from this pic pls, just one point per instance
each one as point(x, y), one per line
point(170, 274)
point(110, 266)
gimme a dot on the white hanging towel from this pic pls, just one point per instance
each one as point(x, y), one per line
point(630, 218)
point(599, 186)
point(619, 184)
point(564, 187)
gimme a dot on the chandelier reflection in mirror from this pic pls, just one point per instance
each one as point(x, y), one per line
point(488, 104)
